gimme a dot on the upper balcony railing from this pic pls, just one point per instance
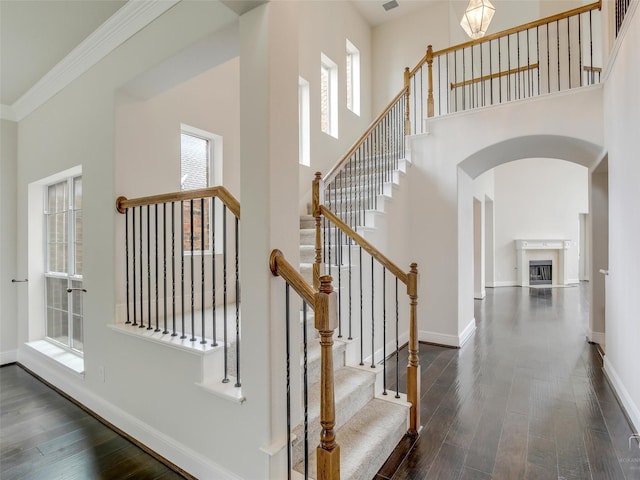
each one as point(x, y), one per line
point(549, 55)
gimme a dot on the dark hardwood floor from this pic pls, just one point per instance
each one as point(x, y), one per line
point(525, 398)
point(44, 436)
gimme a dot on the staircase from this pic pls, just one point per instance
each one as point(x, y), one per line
point(369, 424)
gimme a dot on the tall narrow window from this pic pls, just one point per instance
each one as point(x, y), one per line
point(195, 173)
point(304, 127)
point(328, 96)
point(63, 264)
point(353, 78)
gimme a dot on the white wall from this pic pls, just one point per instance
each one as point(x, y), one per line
point(441, 188)
point(538, 199)
point(621, 120)
point(8, 271)
point(157, 400)
point(324, 27)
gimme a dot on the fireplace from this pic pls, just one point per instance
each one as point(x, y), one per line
point(540, 272)
point(554, 257)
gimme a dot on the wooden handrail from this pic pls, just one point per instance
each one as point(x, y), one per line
point(522, 28)
point(338, 166)
point(510, 31)
point(281, 267)
point(587, 68)
point(370, 249)
point(123, 203)
point(494, 75)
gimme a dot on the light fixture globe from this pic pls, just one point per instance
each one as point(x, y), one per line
point(477, 17)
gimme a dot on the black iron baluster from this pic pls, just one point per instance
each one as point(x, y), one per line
point(464, 78)
point(548, 62)
point(472, 98)
point(182, 336)
point(164, 263)
point(126, 254)
point(224, 292)
point(361, 312)
point(305, 390)
point(580, 47)
point(141, 275)
point(422, 100)
point(173, 269)
point(569, 48)
point(329, 226)
point(558, 49)
point(133, 266)
point(373, 317)
point(482, 95)
point(149, 327)
point(439, 90)
point(591, 45)
point(455, 78)
point(288, 368)
point(157, 329)
point(529, 86)
point(339, 256)
point(213, 270)
point(384, 330)
point(499, 70)
point(397, 344)
point(202, 282)
point(349, 243)
point(490, 73)
point(193, 306)
point(237, 384)
point(519, 90)
point(538, 55)
point(508, 68)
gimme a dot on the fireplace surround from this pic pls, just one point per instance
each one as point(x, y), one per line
point(542, 250)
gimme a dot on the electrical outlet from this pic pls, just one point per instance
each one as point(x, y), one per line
point(101, 374)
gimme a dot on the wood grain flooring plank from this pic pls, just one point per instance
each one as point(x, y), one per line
point(602, 457)
point(448, 463)
point(511, 456)
point(573, 463)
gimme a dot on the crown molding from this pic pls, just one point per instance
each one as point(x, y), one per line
point(7, 113)
point(122, 25)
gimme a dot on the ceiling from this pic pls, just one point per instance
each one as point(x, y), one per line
point(375, 14)
point(35, 35)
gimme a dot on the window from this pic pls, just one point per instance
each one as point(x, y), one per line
point(304, 128)
point(353, 78)
point(328, 96)
point(63, 263)
point(197, 151)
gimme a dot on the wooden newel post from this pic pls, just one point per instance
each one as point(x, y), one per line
point(407, 95)
point(326, 321)
point(430, 80)
point(413, 368)
point(315, 205)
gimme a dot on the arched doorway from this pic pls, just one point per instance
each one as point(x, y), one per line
point(571, 149)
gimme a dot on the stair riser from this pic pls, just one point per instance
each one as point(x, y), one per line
point(345, 409)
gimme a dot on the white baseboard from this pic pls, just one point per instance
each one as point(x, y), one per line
point(192, 462)
point(479, 295)
point(447, 339)
point(468, 332)
point(507, 283)
point(632, 410)
point(597, 337)
point(9, 356)
point(572, 281)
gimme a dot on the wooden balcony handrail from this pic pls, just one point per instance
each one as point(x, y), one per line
point(370, 249)
point(123, 203)
point(494, 75)
point(281, 267)
point(338, 166)
point(510, 31)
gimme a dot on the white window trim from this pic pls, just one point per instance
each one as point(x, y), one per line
point(36, 307)
point(71, 255)
point(353, 51)
point(304, 123)
point(332, 94)
point(215, 178)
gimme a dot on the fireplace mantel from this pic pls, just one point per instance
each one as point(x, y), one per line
point(554, 250)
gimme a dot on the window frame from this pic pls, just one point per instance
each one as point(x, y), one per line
point(304, 123)
point(214, 154)
point(353, 77)
point(328, 65)
point(72, 277)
